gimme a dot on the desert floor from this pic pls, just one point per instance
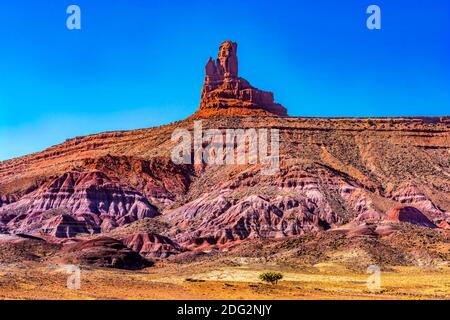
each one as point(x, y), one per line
point(212, 281)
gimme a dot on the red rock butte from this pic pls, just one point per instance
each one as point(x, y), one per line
point(225, 93)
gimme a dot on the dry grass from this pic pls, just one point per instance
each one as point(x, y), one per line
point(166, 281)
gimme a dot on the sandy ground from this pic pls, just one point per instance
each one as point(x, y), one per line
point(169, 281)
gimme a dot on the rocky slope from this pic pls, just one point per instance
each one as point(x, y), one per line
point(333, 173)
point(92, 202)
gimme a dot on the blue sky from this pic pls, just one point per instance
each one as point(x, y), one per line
point(139, 63)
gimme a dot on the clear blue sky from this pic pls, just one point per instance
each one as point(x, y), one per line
point(139, 63)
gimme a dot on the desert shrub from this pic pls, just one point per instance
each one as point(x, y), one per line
point(271, 277)
point(194, 280)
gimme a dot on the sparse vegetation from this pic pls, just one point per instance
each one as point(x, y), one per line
point(194, 280)
point(209, 280)
point(271, 277)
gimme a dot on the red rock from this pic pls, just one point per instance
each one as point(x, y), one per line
point(444, 225)
point(220, 221)
point(64, 226)
point(414, 196)
point(108, 224)
point(370, 216)
point(223, 89)
point(152, 245)
point(409, 215)
point(86, 199)
point(159, 180)
point(362, 230)
point(7, 199)
point(56, 223)
point(332, 172)
point(385, 230)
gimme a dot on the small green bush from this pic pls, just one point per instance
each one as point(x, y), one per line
point(271, 277)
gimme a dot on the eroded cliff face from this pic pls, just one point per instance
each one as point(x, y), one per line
point(225, 93)
point(152, 245)
point(77, 202)
point(333, 173)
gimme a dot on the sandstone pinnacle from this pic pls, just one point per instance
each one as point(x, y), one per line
point(224, 92)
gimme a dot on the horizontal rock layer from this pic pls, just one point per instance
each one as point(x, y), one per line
point(332, 172)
